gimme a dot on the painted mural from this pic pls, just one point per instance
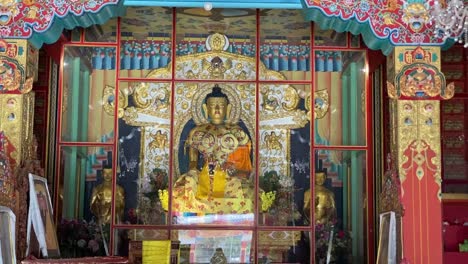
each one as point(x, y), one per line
point(393, 22)
point(401, 22)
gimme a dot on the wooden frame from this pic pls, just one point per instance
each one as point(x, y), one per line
point(7, 236)
point(41, 218)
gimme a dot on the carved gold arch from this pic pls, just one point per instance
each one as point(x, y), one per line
point(151, 110)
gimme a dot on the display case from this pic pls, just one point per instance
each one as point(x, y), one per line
point(242, 141)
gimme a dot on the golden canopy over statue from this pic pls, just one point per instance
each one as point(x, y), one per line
point(101, 199)
point(225, 150)
point(325, 210)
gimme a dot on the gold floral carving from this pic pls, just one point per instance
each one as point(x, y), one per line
point(274, 96)
point(154, 95)
point(108, 99)
point(321, 104)
point(449, 91)
point(418, 132)
point(391, 90)
point(278, 107)
point(291, 99)
point(151, 99)
point(279, 240)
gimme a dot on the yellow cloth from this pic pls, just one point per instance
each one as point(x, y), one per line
point(204, 184)
point(156, 251)
point(236, 200)
point(240, 159)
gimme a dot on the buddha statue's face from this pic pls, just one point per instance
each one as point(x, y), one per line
point(320, 178)
point(216, 109)
point(107, 174)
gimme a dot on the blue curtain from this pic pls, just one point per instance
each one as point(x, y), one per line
point(154, 54)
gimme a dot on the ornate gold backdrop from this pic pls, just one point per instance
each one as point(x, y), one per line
point(151, 109)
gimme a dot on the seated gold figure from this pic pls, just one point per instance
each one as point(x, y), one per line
point(225, 150)
point(101, 199)
point(325, 210)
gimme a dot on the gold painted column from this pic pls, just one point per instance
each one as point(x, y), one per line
point(416, 91)
point(18, 67)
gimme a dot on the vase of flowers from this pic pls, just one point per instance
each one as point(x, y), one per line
point(79, 238)
point(340, 243)
point(151, 208)
point(277, 199)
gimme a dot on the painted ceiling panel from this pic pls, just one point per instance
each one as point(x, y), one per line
point(141, 21)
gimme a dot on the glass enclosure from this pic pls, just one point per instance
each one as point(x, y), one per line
point(191, 132)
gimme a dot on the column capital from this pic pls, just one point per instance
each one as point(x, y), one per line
point(417, 74)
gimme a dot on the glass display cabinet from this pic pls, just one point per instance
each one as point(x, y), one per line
point(241, 130)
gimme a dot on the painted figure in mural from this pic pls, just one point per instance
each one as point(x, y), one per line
point(224, 148)
point(272, 142)
point(325, 210)
point(101, 199)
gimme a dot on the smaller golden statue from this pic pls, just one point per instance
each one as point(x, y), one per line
point(325, 210)
point(101, 199)
point(218, 257)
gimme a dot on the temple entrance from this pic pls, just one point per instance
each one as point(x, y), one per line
point(241, 130)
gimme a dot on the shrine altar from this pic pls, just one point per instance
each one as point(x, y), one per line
point(113, 260)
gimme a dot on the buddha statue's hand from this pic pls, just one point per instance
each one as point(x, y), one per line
point(193, 173)
point(230, 168)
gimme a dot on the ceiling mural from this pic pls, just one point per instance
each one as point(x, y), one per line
point(141, 21)
point(402, 22)
point(383, 24)
point(43, 20)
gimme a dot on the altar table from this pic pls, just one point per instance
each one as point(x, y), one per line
point(89, 260)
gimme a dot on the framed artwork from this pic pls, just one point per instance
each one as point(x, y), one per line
point(387, 249)
point(7, 236)
point(41, 219)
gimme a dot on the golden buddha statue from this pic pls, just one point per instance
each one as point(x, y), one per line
point(325, 210)
point(101, 199)
point(225, 148)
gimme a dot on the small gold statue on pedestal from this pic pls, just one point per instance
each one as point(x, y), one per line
point(101, 199)
point(218, 257)
point(325, 210)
